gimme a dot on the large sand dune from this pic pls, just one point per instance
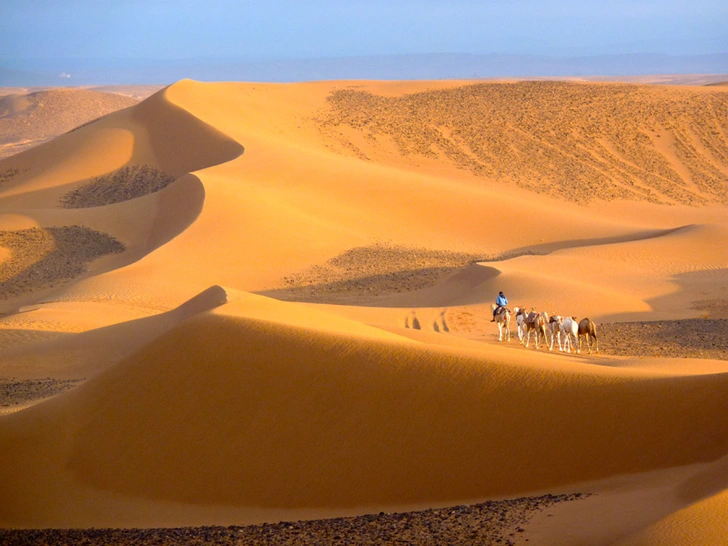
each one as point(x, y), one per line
point(29, 118)
point(360, 231)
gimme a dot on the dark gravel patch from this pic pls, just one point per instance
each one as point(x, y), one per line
point(686, 338)
point(125, 184)
point(372, 271)
point(14, 392)
point(45, 257)
point(493, 522)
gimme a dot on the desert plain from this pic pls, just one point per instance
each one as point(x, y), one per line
point(227, 304)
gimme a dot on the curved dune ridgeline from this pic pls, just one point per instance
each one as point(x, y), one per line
point(562, 139)
point(303, 330)
point(152, 130)
point(236, 409)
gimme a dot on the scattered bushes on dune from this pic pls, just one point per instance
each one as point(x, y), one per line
point(578, 142)
point(127, 183)
point(8, 174)
point(42, 258)
point(375, 270)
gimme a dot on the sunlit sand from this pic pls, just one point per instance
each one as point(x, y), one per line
point(250, 303)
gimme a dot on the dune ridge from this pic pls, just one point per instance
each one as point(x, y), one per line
point(393, 212)
point(411, 410)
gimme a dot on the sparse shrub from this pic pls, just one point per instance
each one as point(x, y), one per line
point(127, 183)
point(44, 258)
point(579, 142)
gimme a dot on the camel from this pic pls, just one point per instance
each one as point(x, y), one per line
point(535, 322)
point(553, 327)
point(520, 320)
point(569, 330)
point(503, 320)
point(587, 330)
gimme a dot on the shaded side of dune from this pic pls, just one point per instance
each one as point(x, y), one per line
point(227, 410)
point(493, 522)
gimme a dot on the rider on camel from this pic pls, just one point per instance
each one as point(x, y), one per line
point(500, 302)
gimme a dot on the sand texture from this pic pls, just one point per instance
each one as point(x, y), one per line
point(28, 118)
point(237, 304)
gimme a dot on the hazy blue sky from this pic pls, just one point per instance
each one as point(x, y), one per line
point(266, 29)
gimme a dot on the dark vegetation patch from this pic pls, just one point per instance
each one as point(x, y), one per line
point(493, 522)
point(8, 174)
point(127, 183)
point(46, 257)
point(374, 270)
point(579, 142)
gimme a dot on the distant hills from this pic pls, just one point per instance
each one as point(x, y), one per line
point(74, 72)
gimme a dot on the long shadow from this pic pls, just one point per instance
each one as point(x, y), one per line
point(383, 290)
point(548, 248)
point(706, 290)
point(379, 290)
point(104, 347)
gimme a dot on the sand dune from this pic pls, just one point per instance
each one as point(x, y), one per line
point(298, 325)
point(29, 118)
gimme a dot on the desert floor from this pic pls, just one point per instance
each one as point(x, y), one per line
point(260, 313)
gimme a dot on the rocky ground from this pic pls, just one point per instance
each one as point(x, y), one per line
point(687, 338)
point(14, 392)
point(493, 522)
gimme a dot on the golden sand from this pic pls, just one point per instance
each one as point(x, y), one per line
point(298, 325)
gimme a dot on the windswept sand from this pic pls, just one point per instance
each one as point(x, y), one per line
point(290, 320)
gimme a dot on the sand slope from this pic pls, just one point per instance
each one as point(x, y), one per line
point(29, 118)
point(383, 199)
point(266, 404)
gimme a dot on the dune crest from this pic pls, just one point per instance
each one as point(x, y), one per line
point(390, 215)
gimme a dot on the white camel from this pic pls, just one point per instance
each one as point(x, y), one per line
point(569, 331)
point(553, 328)
point(520, 321)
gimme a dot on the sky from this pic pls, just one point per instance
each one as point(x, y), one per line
point(297, 29)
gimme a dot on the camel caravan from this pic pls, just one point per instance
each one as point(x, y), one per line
point(568, 333)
